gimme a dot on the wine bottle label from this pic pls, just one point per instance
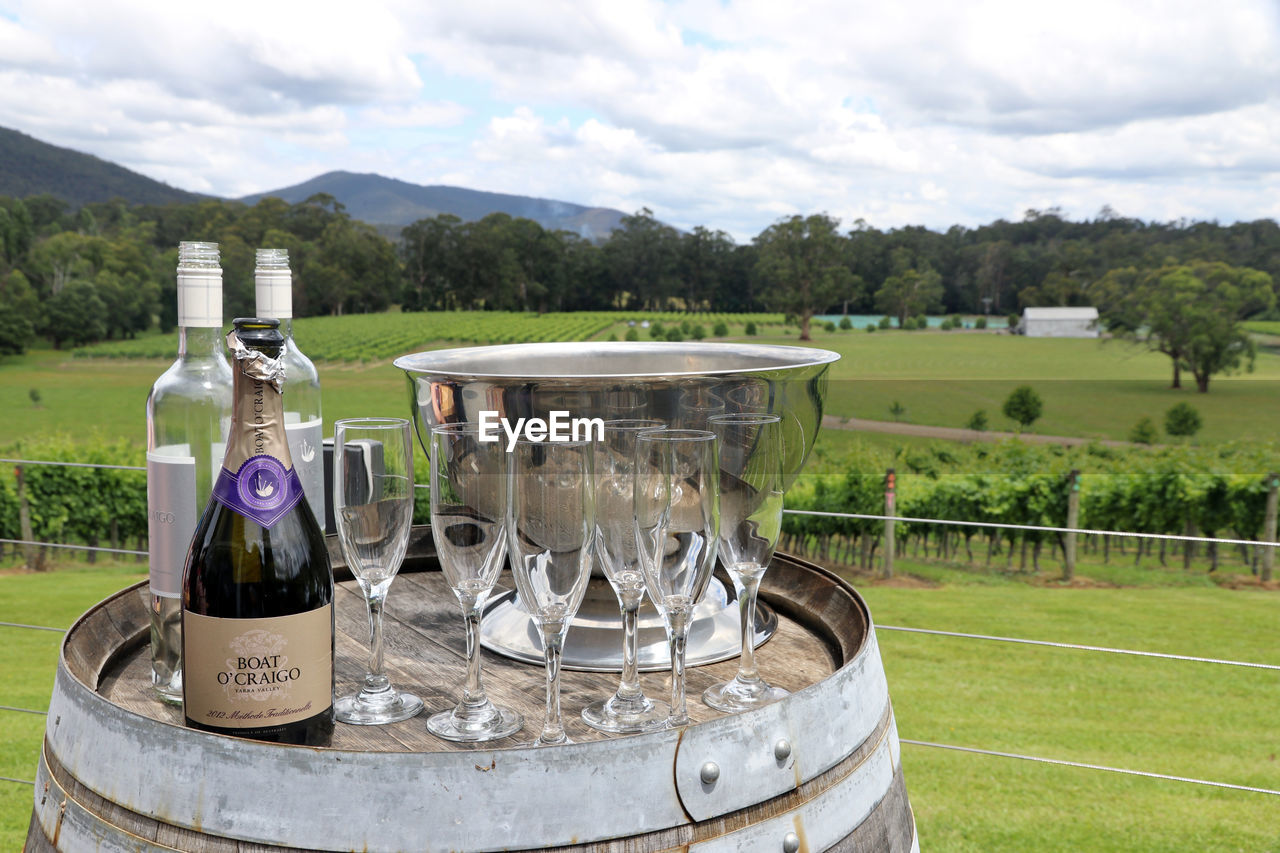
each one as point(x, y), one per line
point(262, 490)
point(200, 298)
point(171, 516)
point(254, 673)
point(305, 446)
point(274, 292)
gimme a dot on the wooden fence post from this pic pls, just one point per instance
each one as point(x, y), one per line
point(1269, 526)
point(33, 558)
point(889, 485)
point(1073, 521)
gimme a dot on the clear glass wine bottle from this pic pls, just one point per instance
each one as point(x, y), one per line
point(188, 415)
point(304, 427)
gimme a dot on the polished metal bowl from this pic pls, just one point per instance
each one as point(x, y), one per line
point(681, 384)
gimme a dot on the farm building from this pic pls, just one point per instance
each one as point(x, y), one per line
point(1059, 323)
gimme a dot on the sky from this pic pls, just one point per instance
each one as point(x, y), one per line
point(731, 115)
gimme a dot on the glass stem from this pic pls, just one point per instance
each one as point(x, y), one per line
point(748, 584)
point(677, 637)
point(629, 683)
point(552, 727)
point(375, 681)
point(473, 690)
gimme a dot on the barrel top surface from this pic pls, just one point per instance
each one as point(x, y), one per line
point(833, 742)
point(425, 654)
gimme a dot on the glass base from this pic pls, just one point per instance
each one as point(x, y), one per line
point(358, 710)
point(620, 717)
point(541, 742)
point(485, 723)
point(737, 695)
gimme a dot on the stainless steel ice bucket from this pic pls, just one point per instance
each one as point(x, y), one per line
point(681, 384)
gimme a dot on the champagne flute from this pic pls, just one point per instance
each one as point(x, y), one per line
point(628, 710)
point(550, 532)
point(373, 508)
point(468, 510)
point(677, 518)
point(751, 520)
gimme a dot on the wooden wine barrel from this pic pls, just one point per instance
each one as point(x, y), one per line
point(819, 770)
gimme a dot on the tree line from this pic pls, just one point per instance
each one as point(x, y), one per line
point(104, 270)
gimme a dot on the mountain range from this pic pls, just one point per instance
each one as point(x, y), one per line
point(29, 167)
point(387, 201)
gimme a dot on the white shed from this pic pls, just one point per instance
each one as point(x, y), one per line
point(1059, 322)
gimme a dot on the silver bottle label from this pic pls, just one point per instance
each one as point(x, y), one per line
point(305, 446)
point(171, 516)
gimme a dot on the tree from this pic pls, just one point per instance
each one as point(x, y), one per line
point(76, 315)
point(1190, 313)
point(702, 259)
point(429, 249)
point(977, 421)
point(16, 332)
point(58, 260)
point(993, 273)
point(1024, 406)
point(16, 231)
point(1143, 432)
point(641, 260)
point(909, 293)
point(1182, 419)
point(804, 267)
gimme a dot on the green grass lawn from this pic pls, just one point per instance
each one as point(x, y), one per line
point(28, 660)
point(1090, 388)
point(109, 396)
point(1179, 718)
point(1186, 719)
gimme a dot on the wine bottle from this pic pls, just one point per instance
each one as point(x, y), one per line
point(188, 414)
point(257, 594)
point(273, 286)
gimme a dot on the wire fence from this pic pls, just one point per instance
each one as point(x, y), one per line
point(1036, 528)
point(897, 628)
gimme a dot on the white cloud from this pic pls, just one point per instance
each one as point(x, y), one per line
point(434, 114)
point(21, 47)
point(253, 55)
point(724, 114)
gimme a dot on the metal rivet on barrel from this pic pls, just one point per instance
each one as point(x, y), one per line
point(790, 843)
point(709, 773)
point(782, 749)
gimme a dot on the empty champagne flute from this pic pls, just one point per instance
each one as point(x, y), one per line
point(373, 507)
point(468, 514)
point(750, 522)
point(677, 518)
point(628, 710)
point(550, 533)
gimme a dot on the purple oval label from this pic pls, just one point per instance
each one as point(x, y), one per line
point(262, 483)
point(262, 490)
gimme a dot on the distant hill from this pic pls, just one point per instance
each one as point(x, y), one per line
point(388, 202)
point(30, 167)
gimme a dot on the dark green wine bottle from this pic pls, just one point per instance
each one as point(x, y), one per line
point(257, 590)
